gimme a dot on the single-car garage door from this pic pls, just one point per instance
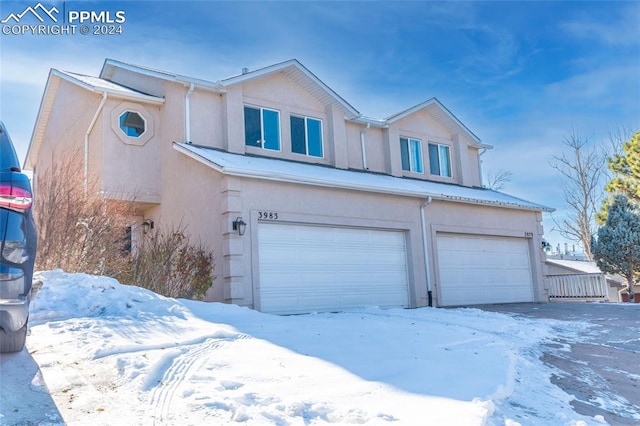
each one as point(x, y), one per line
point(476, 270)
point(320, 268)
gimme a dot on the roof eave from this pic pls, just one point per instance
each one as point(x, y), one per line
point(283, 177)
point(50, 90)
point(116, 93)
point(110, 64)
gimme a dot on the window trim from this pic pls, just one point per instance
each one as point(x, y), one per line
point(262, 128)
point(148, 117)
point(412, 142)
point(306, 135)
point(440, 159)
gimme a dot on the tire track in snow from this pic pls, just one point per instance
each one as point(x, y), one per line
point(176, 367)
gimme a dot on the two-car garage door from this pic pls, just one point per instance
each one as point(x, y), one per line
point(321, 268)
point(480, 269)
point(304, 268)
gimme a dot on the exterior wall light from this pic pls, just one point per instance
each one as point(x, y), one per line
point(147, 226)
point(239, 225)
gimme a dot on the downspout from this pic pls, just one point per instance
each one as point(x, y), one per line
point(482, 152)
point(187, 114)
point(425, 249)
point(86, 140)
point(364, 152)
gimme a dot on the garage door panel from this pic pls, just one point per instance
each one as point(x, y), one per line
point(477, 269)
point(313, 268)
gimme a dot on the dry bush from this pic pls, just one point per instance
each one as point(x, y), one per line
point(169, 263)
point(79, 230)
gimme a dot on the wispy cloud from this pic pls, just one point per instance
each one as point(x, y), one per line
point(621, 29)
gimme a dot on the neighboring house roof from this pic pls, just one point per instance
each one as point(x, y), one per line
point(578, 266)
point(92, 84)
point(310, 174)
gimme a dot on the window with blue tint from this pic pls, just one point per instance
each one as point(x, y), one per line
point(298, 140)
point(404, 153)
point(252, 127)
point(434, 162)
point(262, 128)
point(132, 124)
point(445, 161)
point(306, 136)
point(271, 129)
point(416, 155)
point(440, 160)
point(314, 137)
point(411, 154)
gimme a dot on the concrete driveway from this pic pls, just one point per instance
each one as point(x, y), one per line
point(599, 365)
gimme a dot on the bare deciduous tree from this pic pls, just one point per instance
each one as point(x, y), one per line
point(78, 230)
point(499, 179)
point(582, 170)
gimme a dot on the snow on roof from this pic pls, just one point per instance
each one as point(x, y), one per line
point(319, 175)
point(102, 85)
point(577, 265)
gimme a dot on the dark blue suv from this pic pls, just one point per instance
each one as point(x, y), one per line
point(17, 247)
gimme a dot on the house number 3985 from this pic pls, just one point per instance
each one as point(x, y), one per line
point(268, 215)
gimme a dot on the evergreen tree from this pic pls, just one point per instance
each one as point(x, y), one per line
point(626, 175)
point(617, 249)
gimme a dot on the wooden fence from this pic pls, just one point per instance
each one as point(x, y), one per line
point(578, 286)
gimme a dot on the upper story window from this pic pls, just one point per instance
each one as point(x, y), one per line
point(306, 136)
point(411, 153)
point(132, 124)
point(262, 128)
point(440, 160)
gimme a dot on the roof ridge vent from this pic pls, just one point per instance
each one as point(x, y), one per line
point(245, 70)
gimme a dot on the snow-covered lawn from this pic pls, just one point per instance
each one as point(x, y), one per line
point(114, 354)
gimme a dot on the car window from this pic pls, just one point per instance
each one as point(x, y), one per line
point(8, 157)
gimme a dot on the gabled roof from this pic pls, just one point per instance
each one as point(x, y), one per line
point(92, 84)
point(438, 111)
point(310, 82)
point(291, 68)
point(317, 175)
point(303, 77)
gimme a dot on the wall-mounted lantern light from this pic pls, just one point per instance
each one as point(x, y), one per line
point(147, 226)
point(239, 225)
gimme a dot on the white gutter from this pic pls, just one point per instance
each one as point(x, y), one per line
point(425, 249)
point(187, 114)
point(364, 151)
point(86, 140)
point(482, 152)
point(234, 170)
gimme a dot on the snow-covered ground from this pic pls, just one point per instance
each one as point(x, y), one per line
point(113, 354)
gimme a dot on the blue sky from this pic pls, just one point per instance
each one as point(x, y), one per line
point(521, 75)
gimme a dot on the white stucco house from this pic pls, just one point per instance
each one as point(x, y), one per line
point(337, 210)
